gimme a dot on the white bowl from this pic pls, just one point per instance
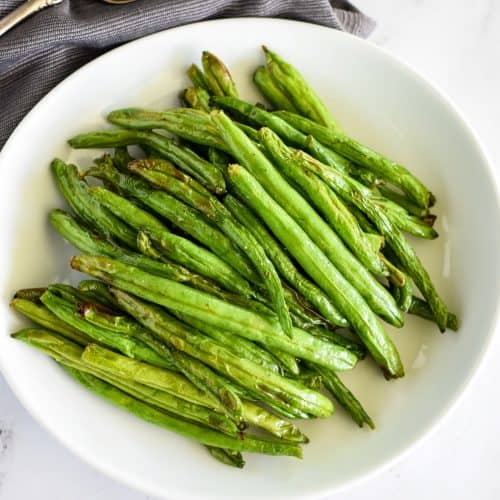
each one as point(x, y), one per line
point(379, 101)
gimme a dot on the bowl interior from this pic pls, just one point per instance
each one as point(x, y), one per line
point(377, 100)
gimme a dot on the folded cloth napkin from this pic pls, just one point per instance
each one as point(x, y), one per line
point(37, 54)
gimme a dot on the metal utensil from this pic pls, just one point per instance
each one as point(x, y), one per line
point(30, 7)
point(23, 11)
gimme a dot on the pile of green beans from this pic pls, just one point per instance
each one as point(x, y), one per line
point(238, 266)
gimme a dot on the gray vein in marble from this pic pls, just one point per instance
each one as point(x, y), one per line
point(5, 445)
point(5, 438)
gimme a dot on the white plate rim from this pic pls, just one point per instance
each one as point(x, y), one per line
point(460, 392)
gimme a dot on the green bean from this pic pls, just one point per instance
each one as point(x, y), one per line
point(278, 427)
point(120, 159)
point(364, 156)
point(167, 381)
point(327, 156)
point(75, 191)
point(66, 352)
point(98, 291)
point(85, 241)
point(199, 374)
point(227, 457)
point(419, 307)
point(406, 222)
point(238, 345)
point(182, 275)
point(220, 314)
point(310, 379)
point(403, 292)
point(218, 214)
point(299, 91)
point(366, 177)
point(171, 404)
point(219, 159)
point(354, 346)
point(282, 409)
point(217, 75)
point(293, 136)
point(182, 215)
point(345, 398)
point(192, 391)
point(70, 294)
point(183, 157)
point(175, 247)
point(93, 314)
point(320, 233)
point(283, 263)
point(255, 114)
point(43, 317)
point(69, 313)
point(396, 213)
point(126, 326)
point(302, 312)
point(403, 201)
point(129, 327)
point(276, 97)
point(316, 264)
point(191, 124)
point(376, 240)
point(206, 285)
point(203, 377)
point(396, 276)
point(249, 131)
point(348, 189)
point(367, 285)
point(163, 166)
point(197, 77)
point(288, 133)
point(403, 295)
point(197, 98)
point(242, 371)
point(50, 342)
point(331, 207)
point(31, 294)
point(190, 430)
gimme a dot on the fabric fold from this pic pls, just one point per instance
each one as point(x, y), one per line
point(39, 53)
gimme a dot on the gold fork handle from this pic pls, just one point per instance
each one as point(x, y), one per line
point(23, 11)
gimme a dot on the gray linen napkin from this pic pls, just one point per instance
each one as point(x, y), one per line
point(37, 54)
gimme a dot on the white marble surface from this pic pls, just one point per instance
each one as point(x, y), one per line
point(456, 44)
